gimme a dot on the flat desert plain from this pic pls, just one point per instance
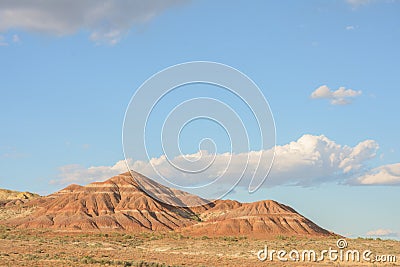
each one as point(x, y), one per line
point(114, 223)
point(40, 247)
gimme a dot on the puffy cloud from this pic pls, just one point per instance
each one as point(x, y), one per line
point(308, 161)
point(75, 173)
point(383, 175)
point(107, 20)
point(316, 159)
point(339, 97)
point(383, 233)
point(350, 28)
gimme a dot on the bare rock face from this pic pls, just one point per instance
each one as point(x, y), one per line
point(117, 203)
point(13, 204)
point(259, 219)
point(120, 204)
point(6, 195)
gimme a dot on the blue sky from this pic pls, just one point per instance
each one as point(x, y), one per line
point(67, 76)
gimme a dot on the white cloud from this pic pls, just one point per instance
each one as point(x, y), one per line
point(341, 96)
point(357, 3)
point(3, 41)
point(383, 175)
point(85, 146)
point(316, 159)
point(383, 233)
point(350, 28)
point(16, 38)
point(75, 173)
point(310, 160)
point(11, 153)
point(107, 20)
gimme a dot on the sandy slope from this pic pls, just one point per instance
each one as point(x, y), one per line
point(120, 204)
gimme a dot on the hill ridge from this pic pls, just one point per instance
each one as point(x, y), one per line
point(119, 203)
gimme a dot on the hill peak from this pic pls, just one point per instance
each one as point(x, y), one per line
point(120, 203)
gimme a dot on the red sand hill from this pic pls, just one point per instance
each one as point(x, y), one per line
point(260, 219)
point(120, 204)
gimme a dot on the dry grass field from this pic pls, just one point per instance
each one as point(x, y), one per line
point(40, 247)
